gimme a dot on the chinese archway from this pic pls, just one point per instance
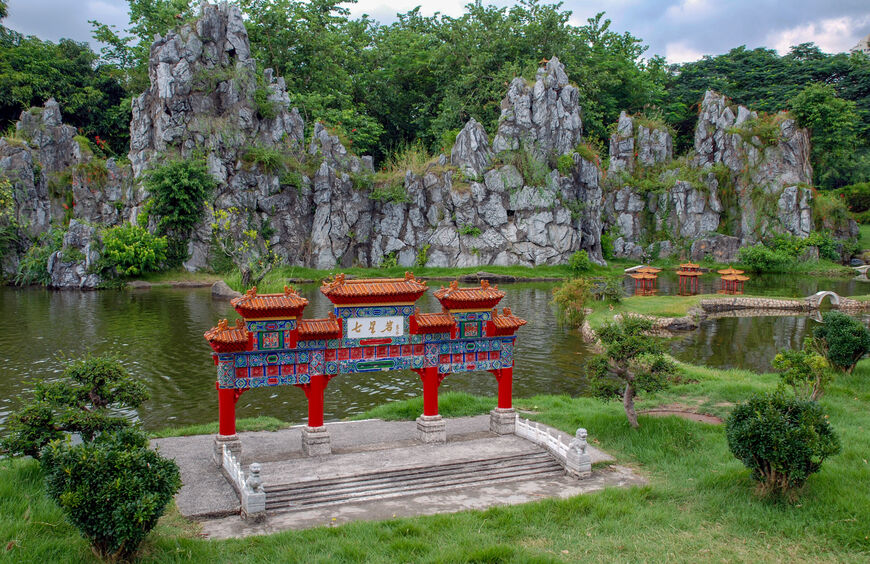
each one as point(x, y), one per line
point(375, 326)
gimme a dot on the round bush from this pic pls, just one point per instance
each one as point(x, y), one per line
point(129, 250)
point(113, 489)
point(580, 262)
point(782, 440)
point(845, 339)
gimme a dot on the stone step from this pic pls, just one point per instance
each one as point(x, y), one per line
point(421, 471)
point(406, 479)
point(411, 481)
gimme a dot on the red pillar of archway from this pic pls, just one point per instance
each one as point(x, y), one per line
point(314, 393)
point(505, 379)
point(227, 399)
point(431, 381)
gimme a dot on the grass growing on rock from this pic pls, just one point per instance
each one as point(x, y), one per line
point(700, 503)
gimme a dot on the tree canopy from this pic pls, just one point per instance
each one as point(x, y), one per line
point(420, 78)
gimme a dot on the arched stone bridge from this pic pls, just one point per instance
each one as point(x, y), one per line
point(816, 299)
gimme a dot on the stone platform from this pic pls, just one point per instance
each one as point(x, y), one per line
point(377, 470)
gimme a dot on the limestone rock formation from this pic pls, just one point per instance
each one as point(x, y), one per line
point(746, 176)
point(71, 267)
point(543, 117)
point(648, 145)
point(471, 151)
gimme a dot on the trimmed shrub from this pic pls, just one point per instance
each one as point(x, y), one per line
point(580, 262)
point(782, 440)
point(843, 339)
point(82, 402)
point(113, 489)
point(129, 250)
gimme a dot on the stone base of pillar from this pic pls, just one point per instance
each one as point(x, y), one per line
point(431, 429)
point(503, 421)
point(232, 443)
point(315, 441)
point(578, 465)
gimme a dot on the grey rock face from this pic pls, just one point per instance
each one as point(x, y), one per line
point(632, 143)
point(758, 173)
point(721, 248)
point(544, 116)
point(69, 267)
point(471, 152)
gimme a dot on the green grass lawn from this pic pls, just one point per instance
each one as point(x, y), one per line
point(864, 237)
point(700, 504)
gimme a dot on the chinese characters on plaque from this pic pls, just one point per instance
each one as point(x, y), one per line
point(369, 327)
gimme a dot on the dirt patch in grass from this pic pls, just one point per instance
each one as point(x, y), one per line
point(684, 411)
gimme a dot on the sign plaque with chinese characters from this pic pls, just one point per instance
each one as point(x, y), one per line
point(371, 327)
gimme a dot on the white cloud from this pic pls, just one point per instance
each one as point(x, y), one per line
point(832, 35)
point(681, 52)
point(689, 10)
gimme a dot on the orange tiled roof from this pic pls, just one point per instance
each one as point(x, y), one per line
point(507, 323)
point(224, 338)
point(434, 322)
point(729, 271)
point(341, 291)
point(484, 297)
point(643, 276)
point(319, 328)
point(266, 306)
point(689, 273)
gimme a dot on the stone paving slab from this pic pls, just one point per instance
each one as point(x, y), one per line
point(462, 499)
point(362, 447)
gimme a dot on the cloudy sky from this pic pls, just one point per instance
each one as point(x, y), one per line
point(680, 30)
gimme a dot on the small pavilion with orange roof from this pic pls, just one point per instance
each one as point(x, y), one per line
point(645, 280)
point(732, 281)
point(374, 326)
point(689, 273)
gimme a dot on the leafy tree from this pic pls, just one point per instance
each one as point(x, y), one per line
point(806, 371)
point(90, 96)
point(179, 189)
point(249, 251)
point(113, 489)
point(843, 339)
point(82, 401)
point(782, 440)
point(570, 299)
point(833, 123)
point(632, 361)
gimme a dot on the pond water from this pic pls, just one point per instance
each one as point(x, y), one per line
point(158, 335)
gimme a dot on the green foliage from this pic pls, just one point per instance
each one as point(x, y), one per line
point(266, 108)
point(267, 158)
point(9, 238)
point(609, 289)
point(759, 258)
point(794, 246)
point(113, 489)
point(389, 260)
point(130, 250)
point(470, 230)
point(390, 194)
point(565, 164)
point(389, 182)
point(832, 122)
point(829, 211)
point(33, 266)
point(422, 256)
point(179, 189)
point(83, 401)
point(632, 361)
point(248, 249)
point(804, 370)
point(857, 199)
point(589, 152)
point(762, 131)
point(607, 239)
point(570, 300)
point(533, 170)
point(843, 339)
point(782, 440)
point(580, 262)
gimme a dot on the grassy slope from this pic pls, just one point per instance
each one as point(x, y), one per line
point(699, 506)
point(864, 237)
